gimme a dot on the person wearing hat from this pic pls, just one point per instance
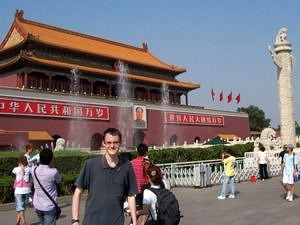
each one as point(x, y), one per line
point(290, 161)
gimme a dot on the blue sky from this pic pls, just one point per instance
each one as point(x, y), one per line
point(222, 44)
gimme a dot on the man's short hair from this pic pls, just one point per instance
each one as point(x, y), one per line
point(46, 156)
point(142, 149)
point(113, 132)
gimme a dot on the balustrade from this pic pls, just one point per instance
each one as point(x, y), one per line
point(210, 172)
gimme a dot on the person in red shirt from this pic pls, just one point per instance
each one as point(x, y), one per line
point(140, 165)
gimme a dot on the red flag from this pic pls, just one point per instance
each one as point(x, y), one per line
point(238, 98)
point(229, 97)
point(212, 94)
point(221, 96)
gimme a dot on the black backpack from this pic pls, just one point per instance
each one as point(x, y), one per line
point(167, 207)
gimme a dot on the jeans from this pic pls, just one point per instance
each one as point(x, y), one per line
point(21, 202)
point(47, 217)
point(224, 186)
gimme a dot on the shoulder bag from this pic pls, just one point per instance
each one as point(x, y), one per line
point(297, 174)
point(57, 208)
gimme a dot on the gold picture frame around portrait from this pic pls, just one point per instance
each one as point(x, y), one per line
point(139, 117)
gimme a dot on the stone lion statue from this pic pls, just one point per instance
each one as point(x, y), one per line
point(281, 36)
point(267, 138)
point(60, 144)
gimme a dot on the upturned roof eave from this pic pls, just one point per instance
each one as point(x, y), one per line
point(19, 20)
point(69, 66)
point(175, 71)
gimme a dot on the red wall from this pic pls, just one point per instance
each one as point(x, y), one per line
point(163, 132)
point(9, 81)
point(80, 131)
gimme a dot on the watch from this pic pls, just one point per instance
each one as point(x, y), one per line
point(74, 221)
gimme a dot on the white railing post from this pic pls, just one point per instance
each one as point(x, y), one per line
point(203, 174)
point(172, 176)
point(197, 175)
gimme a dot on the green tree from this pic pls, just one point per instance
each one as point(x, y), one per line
point(257, 118)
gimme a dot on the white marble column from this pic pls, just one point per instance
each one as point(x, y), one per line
point(285, 62)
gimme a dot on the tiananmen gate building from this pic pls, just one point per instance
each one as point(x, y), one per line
point(60, 83)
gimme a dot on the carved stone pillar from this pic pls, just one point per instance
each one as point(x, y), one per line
point(285, 62)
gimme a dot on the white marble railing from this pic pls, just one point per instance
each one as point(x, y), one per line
point(270, 154)
point(210, 172)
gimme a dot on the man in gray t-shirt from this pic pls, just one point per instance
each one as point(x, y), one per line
point(109, 181)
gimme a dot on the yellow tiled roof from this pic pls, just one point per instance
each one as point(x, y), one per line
point(39, 136)
point(81, 42)
point(228, 136)
point(32, 135)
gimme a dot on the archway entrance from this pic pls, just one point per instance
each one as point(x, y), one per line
point(96, 141)
point(197, 140)
point(173, 139)
point(138, 138)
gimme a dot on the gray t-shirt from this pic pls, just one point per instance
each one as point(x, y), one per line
point(107, 190)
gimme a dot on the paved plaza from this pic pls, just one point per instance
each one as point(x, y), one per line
point(259, 203)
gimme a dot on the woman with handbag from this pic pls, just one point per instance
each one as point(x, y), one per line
point(290, 161)
point(45, 179)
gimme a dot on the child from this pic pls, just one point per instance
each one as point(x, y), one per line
point(22, 188)
point(32, 160)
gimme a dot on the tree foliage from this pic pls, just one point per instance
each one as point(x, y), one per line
point(257, 118)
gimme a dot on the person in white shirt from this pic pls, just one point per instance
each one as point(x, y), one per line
point(262, 161)
point(22, 186)
point(148, 212)
point(32, 160)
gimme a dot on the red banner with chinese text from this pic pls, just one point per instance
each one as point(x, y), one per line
point(52, 109)
point(193, 119)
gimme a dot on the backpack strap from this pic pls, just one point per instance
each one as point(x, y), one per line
point(156, 192)
point(41, 186)
point(150, 215)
